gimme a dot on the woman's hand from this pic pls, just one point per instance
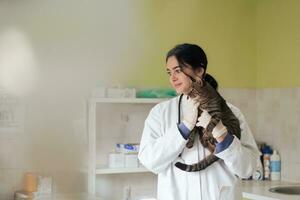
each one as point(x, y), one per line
point(189, 112)
point(219, 132)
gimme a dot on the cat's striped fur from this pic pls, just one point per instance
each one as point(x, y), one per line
point(216, 106)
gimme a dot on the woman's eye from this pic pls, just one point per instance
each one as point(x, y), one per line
point(177, 71)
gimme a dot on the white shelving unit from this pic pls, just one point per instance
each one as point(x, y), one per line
point(127, 100)
point(93, 170)
point(120, 170)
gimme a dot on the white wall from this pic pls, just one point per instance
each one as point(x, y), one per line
point(273, 116)
point(278, 124)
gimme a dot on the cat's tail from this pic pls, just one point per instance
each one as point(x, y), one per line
point(204, 163)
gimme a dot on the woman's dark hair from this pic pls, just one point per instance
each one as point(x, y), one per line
point(193, 55)
point(211, 80)
point(189, 54)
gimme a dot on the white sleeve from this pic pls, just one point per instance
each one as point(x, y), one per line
point(157, 148)
point(242, 155)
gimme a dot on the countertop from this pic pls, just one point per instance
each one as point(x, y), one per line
point(259, 190)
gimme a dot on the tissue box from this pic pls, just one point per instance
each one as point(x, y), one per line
point(121, 93)
point(131, 160)
point(114, 93)
point(129, 93)
point(116, 160)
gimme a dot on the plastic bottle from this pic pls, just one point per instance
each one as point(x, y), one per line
point(275, 166)
point(30, 182)
point(267, 152)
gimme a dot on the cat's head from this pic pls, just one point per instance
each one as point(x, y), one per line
point(192, 74)
point(198, 89)
point(196, 81)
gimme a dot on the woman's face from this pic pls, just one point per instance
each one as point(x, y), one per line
point(179, 81)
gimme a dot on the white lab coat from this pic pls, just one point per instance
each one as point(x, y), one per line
point(162, 142)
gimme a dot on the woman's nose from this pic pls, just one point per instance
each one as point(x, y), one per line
point(173, 77)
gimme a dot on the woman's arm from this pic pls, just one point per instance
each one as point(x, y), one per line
point(157, 148)
point(241, 155)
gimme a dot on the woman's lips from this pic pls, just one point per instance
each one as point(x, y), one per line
point(177, 85)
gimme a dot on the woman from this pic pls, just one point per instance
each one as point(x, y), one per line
point(164, 139)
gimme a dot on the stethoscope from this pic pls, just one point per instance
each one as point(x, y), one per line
point(179, 109)
point(178, 122)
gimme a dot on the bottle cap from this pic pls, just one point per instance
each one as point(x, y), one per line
point(266, 150)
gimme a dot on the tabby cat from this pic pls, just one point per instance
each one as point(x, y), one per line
point(216, 106)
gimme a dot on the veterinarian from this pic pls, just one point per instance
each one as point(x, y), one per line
point(164, 139)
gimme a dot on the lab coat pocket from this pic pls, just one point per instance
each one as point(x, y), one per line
point(226, 182)
point(179, 183)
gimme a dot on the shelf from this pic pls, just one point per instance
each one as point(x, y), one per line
point(67, 196)
point(121, 170)
point(94, 169)
point(128, 100)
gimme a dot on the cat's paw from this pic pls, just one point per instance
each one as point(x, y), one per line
point(189, 145)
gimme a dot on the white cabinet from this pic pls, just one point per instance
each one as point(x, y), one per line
point(111, 121)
